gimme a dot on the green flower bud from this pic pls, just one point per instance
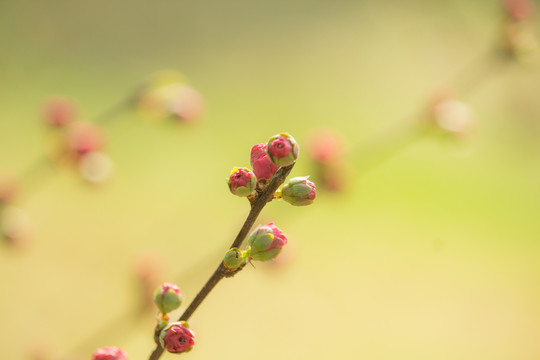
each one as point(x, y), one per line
point(266, 242)
point(168, 297)
point(299, 191)
point(234, 259)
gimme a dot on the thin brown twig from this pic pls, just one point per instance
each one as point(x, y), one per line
point(256, 207)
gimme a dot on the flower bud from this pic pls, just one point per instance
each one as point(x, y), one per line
point(109, 353)
point(518, 10)
point(261, 164)
point(326, 147)
point(453, 116)
point(59, 111)
point(233, 259)
point(96, 167)
point(83, 138)
point(186, 104)
point(167, 95)
point(177, 337)
point(167, 297)
point(242, 181)
point(282, 149)
point(8, 188)
point(15, 225)
point(299, 191)
point(266, 242)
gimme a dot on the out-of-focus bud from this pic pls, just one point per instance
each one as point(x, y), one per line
point(96, 167)
point(450, 116)
point(453, 116)
point(168, 297)
point(518, 10)
point(325, 147)
point(167, 95)
point(242, 181)
point(177, 338)
point(59, 111)
point(109, 353)
point(233, 259)
point(148, 268)
point(15, 225)
point(83, 138)
point(266, 242)
point(282, 149)
point(8, 188)
point(262, 166)
point(187, 104)
point(299, 191)
point(520, 42)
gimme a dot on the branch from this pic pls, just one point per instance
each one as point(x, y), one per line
point(256, 207)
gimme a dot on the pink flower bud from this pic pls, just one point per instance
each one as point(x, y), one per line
point(59, 112)
point(325, 147)
point(186, 103)
point(8, 188)
point(168, 297)
point(166, 95)
point(262, 166)
point(282, 149)
point(266, 242)
point(109, 353)
point(518, 9)
point(299, 191)
point(242, 181)
point(177, 338)
point(15, 226)
point(83, 138)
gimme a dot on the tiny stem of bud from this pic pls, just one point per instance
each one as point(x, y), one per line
point(256, 207)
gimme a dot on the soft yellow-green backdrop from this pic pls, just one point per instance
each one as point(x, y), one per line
point(432, 254)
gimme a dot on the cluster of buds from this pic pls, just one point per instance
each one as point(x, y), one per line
point(167, 95)
point(326, 150)
point(281, 150)
point(80, 144)
point(266, 242)
point(175, 337)
point(518, 38)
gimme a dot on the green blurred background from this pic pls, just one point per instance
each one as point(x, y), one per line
point(431, 254)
